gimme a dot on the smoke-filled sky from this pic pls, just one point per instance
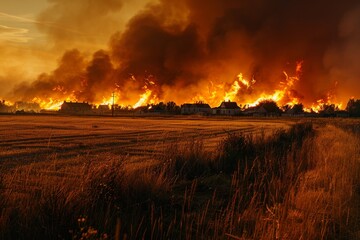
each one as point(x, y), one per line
point(180, 50)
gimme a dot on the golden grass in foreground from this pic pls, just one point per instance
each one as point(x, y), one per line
point(295, 184)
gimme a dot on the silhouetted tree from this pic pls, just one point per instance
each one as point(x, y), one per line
point(161, 106)
point(286, 108)
point(328, 110)
point(298, 108)
point(170, 106)
point(353, 107)
point(270, 106)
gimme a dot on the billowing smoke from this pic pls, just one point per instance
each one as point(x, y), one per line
point(71, 23)
point(342, 58)
point(183, 49)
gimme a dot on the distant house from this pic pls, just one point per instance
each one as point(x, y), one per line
point(227, 108)
point(76, 108)
point(256, 112)
point(103, 109)
point(195, 108)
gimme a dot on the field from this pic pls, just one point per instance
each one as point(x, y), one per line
point(179, 178)
point(28, 139)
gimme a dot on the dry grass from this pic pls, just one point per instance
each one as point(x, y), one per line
point(297, 183)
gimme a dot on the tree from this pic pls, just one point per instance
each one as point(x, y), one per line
point(270, 106)
point(170, 106)
point(286, 108)
point(353, 107)
point(328, 110)
point(298, 108)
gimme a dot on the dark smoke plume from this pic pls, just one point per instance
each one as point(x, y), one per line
point(186, 47)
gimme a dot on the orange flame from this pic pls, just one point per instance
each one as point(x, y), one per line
point(231, 94)
point(144, 98)
point(218, 93)
point(113, 99)
point(283, 95)
point(321, 103)
point(239, 89)
point(148, 97)
point(51, 103)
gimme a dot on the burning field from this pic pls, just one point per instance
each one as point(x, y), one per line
point(289, 52)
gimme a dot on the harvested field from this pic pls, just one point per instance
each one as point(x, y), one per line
point(28, 139)
point(179, 178)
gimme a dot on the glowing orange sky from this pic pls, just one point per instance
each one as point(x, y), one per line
point(27, 50)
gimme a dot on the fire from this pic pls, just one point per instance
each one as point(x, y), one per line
point(231, 94)
point(55, 102)
point(245, 82)
point(48, 104)
point(143, 98)
point(241, 87)
point(321, 103)
point(218, 93)
point(328, 100)
point(148, 96)
point(240, 90)
point(113, 99)
point(284, 95)
point(8, 103)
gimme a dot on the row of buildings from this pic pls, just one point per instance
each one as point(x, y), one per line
point(225, 108)
point(85, 108)
point(228, 108)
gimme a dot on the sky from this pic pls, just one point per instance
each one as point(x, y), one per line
point(35, 33)
point(17, 20)
point(86, 49)
point(20, 39)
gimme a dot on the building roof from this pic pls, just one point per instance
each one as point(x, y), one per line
point(76, 103)
point(75, 106)
point(229, 105)
point(261, 110)
point(195, 105)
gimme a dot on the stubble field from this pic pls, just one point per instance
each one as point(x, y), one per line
point(30, 139)
point(179, 178)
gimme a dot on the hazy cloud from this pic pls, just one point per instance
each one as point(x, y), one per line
point(12, 34)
